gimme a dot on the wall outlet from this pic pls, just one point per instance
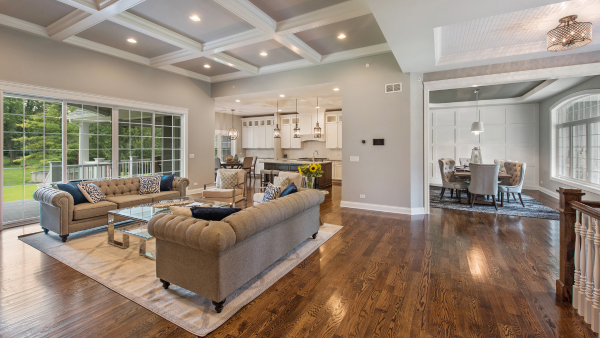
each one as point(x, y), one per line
point(354, 159)
point(195, 183)
point(362, 196)
point(191, 155)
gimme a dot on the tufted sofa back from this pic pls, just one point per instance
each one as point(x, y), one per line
point(119, 187)
point(517, 171)
point(447, 169)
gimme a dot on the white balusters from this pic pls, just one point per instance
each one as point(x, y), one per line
point(596, 296)
point(589, 270)
point(576, 259)
point(582, 265)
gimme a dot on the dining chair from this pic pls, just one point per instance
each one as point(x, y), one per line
point(217, 165)
point(247, 165)
point(464, 161)
point(515, 183)
point(449, 180)
point(501, 163)
point(253, 170)
point(484, 181)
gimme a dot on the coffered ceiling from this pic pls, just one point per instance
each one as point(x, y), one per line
point(228, 35)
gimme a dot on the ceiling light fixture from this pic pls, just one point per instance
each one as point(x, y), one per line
point(230, 64)
point(276, 129)
point(233, 133)
point(131, 40)
point(296, 129)
point(336, 89)
point(477, 126)
point(237, 100)
point(194, 18)
point(570, 33)
point(281, 95)
point(278, 106)
point(264, 54)
point(317, 131)
point(207, 66)
point(342, 36)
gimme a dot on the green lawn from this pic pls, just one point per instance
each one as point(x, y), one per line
point(13, 182)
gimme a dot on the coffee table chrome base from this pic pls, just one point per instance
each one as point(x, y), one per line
point(125, 243)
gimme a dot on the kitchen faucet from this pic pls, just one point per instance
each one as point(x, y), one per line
point(314, 154)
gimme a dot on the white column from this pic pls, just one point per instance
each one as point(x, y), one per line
point(65, 111)
point(589, 270)
point(596, 297)
point(115, 143)
point(576, 259)
point(84, 142)
point(582, 265)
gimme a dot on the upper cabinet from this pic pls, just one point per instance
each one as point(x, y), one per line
point(288, 123)
point(333, 131)
point(257, 133)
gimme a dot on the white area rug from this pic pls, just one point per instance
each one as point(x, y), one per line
point(131, 275)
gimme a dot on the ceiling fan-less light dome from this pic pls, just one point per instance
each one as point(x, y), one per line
point(569, 34)
point(233, 133)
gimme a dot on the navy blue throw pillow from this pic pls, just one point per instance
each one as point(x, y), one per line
point(290, 189)
point(73, 189)
point(166, 182)
point(212, 214)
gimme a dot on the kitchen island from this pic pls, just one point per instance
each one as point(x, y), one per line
point(292, 165)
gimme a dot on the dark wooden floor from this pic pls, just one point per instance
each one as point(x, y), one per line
point(449, 274)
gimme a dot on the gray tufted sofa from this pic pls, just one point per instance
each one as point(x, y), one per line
point(59, 214)
point(214, 259)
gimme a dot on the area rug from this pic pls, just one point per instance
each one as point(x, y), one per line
point(533, 208)
point(133, 276)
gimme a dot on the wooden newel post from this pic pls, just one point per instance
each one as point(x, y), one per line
point(564, 284)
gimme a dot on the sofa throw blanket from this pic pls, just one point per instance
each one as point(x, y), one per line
point(149, 184)
point(91, 192)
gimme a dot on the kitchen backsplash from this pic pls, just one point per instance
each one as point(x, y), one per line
point(309, 147)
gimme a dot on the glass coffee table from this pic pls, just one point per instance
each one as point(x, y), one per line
point(137, 218)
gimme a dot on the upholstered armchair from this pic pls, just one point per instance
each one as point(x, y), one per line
point(484, 181)
point(295, 178)
point(232, 196)
point(501, 163)
point(515, 183)
point(449, 180)
point(464, 161)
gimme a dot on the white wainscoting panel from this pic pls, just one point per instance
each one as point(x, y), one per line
point(511, 133)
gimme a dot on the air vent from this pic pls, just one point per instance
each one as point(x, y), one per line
point(393, 88)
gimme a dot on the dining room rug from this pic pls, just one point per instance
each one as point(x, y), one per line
point(133, 276)
point(533, 208)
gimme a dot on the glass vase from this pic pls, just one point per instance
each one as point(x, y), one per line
point(310, 181)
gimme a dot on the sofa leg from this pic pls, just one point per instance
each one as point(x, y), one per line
point(314, 236)
point(165, 284)
point(219, 305)
point(45, 230)
point(64, 237)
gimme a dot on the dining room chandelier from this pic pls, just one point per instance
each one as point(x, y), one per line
point(317, 131)
point(569, 34)
point(297, 129)
point(233, 133)
point(276, 131)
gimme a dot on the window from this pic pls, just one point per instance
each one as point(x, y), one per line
point(223, 145)
point(576, 123)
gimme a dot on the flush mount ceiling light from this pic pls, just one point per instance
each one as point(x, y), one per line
point(207, 66)
point(194, 18)
point(263, 54)
point(342, 36)
point(569, 34)
point(131, 40)
point(281, 95)
point(237, 100)
point(336, 89)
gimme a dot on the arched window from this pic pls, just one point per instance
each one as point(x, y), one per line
point(576, 139)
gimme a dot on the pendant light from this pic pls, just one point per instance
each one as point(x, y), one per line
point(233, 133)
point(317, 128)
point(276, 129)
point(569, 34)
point(477, 127)
point(296, 129)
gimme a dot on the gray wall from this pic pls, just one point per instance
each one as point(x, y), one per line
point(384, 173)
point(29, 59)
point(223, 122)
point(545, 136)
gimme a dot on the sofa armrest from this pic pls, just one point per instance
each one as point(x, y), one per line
point(181, 184)
point(211, 237)
point(57, 199)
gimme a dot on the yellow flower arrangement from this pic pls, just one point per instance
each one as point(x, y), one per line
point(310, 171)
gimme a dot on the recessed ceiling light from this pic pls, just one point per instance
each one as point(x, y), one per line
point(279, 110)
point(281, 95)
point(342, 36)
point(336, 89)
point(194, 18)
point(207, 66)
point(263, 54)
point(318, 107)
point(230, 64)
point(237, 100)
point(131, 40)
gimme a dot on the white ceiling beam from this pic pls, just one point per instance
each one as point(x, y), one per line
point(356, 53)
point(234, 63)
point(185, 72)
point(80, 20)
point(254, 16)
point(322, 17)
point(84, 5)
point(23, 25)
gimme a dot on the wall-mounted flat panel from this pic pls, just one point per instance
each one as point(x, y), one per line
point(493, 134)
point(466, 116)
point(464, 135)
point(525, 114)
point(493, 115)
point(443, 135)
point(521, 134)
point(444, 117)
point(491, 153)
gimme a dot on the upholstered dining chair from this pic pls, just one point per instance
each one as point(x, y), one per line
point(515, 183)
point(449, 181)
point(231, 195)
point(217, 165)
point(501, 163)
point(484, 181)
point(464, 161)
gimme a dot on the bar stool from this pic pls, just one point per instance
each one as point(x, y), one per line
point(273, 174)
point(265, 177)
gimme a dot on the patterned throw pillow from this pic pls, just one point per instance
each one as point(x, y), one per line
point(91, 192)
point(271, 193)
point(281, 181)
point(228, 179)
point(149, 185)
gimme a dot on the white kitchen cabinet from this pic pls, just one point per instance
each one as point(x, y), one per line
point(333, 131)
point(259, 133)
point(337, 170)
point(339, 134)
point(269, 126)
point(286, 136)
point(306, 125)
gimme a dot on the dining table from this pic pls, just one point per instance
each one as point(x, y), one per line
point(231, 165)
point(466, 174)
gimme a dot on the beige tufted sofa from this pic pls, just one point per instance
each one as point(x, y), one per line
point(214, 259)
point(59, 214)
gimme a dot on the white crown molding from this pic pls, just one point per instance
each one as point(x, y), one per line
point(84, 5)
point(185, 72)
point(22, 25)
point(21, 88)
point(173, 57)
point(234, 63)
point(322, 17)
point(382, 208)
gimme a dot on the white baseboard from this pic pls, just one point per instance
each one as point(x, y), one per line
point(383, 208)
point(195, 191)
point(549, 192)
